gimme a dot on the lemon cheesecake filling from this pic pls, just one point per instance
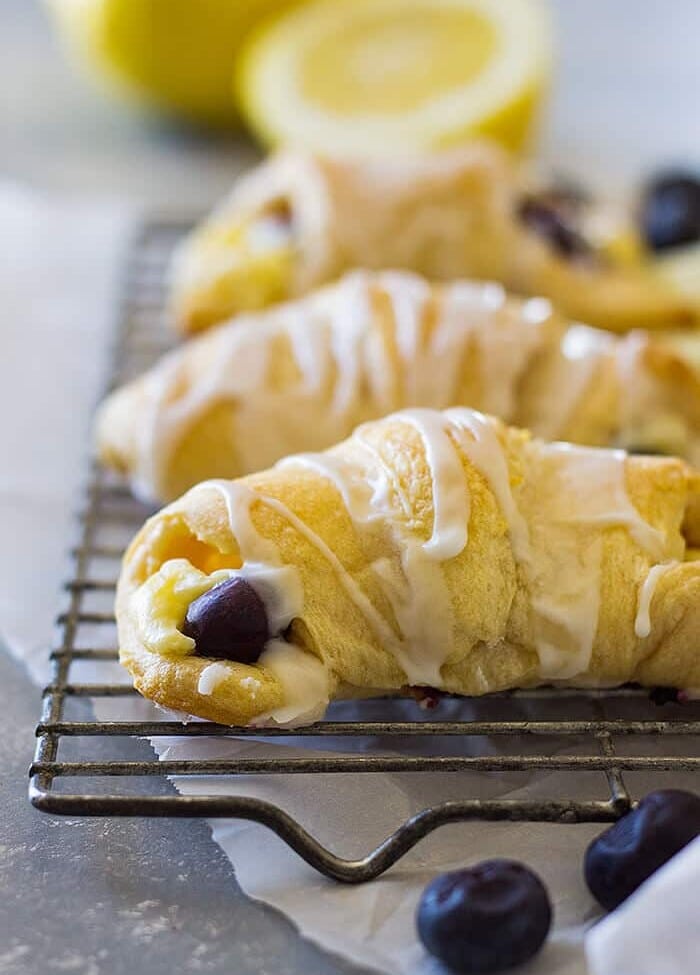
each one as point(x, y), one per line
point(160, 604)
point(235, 619)
point(163, 603)
point(238, 265)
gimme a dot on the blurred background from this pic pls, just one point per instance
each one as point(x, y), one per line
point(623, 95)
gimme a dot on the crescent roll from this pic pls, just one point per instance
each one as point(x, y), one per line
point(432, 549)
point(303, 375)
point(300, 220)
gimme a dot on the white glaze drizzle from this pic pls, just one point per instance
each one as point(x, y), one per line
point(305, 686)
point(251, 684)
point(353, 312)
point(309, 348)
point(565, 602)
point(584, 487)
point(239, 498)
point(409, 297)
point(423, 609)
point(485, 452)
point(239, 370)
point(387, 478)
point(505, 334)
point(211, 677)
point(562, 570)
point(582, 350)
point(449, 489)
point(577, 487)
point(602, 497)
point(354, 487)
point(418, 595)
point(642, 621)
point(280, 588)
point(374, 619)
point(581, 343)
point(333, 336)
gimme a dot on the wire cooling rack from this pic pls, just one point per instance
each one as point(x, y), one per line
point(601, 736)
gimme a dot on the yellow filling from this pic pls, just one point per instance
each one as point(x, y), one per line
point(161, 603)
point(248, 264)
point(613, 233)
point(624, 248)
point(680, 267)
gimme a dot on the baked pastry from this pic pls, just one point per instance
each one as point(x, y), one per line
point(300, 220)
point(302, 376)
point(441, 550)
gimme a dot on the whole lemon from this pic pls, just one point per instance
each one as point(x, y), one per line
point(177, 55)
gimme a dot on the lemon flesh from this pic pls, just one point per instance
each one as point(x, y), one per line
point(177, 55)
point(375, 65)
point(374, 76)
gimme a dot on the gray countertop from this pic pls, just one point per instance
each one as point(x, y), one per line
point(122, 896)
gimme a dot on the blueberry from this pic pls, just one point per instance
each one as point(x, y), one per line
point(552, 222)
point(629, 852)
point(228, 621)
point(485, 919)
point(670, 213)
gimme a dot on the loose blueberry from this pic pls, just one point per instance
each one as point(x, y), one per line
point(229, 621)
point(553, 223)
point(487, 918)
point(670, 214)
point(624, 856)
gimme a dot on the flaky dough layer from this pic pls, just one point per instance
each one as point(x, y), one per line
point(302, 376)
point(443, 549)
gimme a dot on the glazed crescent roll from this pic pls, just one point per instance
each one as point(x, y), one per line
point(302, 376)
point(431, 549)
point(300, 220)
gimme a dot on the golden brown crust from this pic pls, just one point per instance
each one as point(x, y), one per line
point(490, 595)
point(450, 216)
point(303, 376)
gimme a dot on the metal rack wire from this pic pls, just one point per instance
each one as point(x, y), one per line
point(86, 637)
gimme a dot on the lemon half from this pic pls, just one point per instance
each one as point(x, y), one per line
point(371, 77)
